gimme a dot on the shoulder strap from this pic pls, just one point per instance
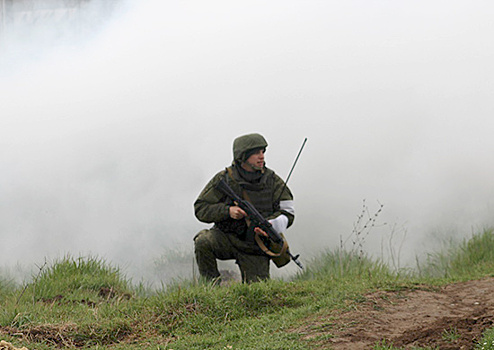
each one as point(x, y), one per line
point(244, 193)
point(230, 172)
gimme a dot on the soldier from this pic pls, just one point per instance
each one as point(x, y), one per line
point(232, 237)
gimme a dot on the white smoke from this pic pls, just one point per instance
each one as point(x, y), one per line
point(107, 140)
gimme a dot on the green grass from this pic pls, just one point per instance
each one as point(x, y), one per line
point(470, 259)
point(450, 335)
point(487, 342)
point(383, 345)
point(87, 303)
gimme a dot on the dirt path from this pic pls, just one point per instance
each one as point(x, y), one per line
point(451, 317)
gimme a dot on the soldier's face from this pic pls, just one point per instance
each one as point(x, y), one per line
point(255, 161)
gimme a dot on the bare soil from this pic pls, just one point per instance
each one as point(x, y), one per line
point(449, 317)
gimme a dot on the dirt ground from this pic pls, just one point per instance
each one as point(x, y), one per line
point(450, 317)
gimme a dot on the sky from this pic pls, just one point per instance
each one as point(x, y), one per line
point(107, 138)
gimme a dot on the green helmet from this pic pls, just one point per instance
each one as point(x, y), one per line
point(245, 143)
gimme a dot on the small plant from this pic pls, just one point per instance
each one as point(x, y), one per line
point(384, 345)
point(361, 229)
point(394, 247)
point(451, 335)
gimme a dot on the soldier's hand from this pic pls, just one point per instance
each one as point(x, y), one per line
point(261, 232)
point(237, 213)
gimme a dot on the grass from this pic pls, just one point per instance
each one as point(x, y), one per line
point(85, 302)
point(471, 259)
point(487, 342)
point(383, 345)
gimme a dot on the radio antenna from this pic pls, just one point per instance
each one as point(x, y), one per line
point(293, 167)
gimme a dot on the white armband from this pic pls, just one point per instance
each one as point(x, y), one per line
point(280, 224)
point(288, 206)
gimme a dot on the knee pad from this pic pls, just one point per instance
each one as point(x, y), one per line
point(201, 238)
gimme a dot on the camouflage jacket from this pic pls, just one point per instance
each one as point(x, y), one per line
point(213, 207)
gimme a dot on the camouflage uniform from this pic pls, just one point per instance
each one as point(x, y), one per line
point(234, 239)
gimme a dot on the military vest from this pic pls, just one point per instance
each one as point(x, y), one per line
point(260, 194)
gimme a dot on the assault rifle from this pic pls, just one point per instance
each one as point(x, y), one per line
point(257, 220)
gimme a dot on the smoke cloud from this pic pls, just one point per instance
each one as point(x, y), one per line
point(107, 139)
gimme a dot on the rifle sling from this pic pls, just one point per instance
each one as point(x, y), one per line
point(265, 249)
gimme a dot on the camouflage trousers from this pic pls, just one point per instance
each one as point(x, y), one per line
point(213, 244)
